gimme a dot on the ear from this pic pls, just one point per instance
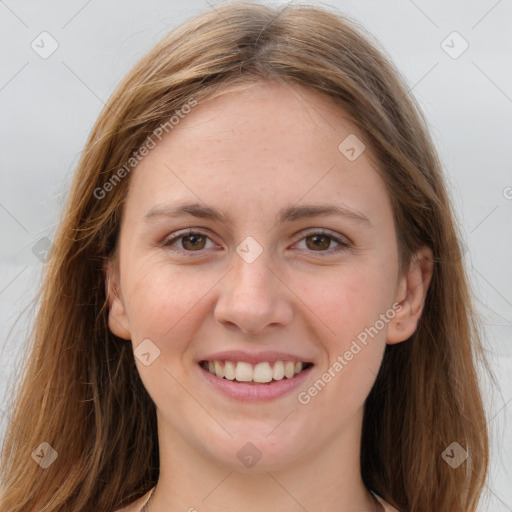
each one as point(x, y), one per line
point(411, 294)
point(117, 317)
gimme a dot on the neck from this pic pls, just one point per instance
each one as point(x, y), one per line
point(328, 478)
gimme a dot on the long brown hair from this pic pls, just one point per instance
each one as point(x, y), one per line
point(80, 391)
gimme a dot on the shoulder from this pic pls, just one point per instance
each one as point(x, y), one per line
point(129, 508)
point(132, 507)
point(386, 506)
point(136, 505)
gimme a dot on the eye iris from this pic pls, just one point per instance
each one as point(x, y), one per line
point(196, 241)
point(316, 245)
point(194, 244)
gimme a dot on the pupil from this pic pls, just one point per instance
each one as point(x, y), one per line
point(193, 240)
point(318, 241)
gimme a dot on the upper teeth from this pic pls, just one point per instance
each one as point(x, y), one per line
point(260, 372)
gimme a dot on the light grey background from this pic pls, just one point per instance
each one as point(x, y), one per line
point(48, 106)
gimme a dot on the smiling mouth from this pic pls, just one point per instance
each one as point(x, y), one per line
point(260, 373)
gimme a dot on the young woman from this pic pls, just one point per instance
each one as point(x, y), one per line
point(256, 299)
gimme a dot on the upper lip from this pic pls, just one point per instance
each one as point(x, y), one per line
point(254, 357)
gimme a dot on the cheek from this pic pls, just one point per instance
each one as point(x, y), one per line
point(350, 305)
point(347, 301)
point(161, 300)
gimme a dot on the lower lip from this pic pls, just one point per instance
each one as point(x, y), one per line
point(257, 392)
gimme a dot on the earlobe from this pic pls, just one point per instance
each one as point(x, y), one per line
point(411, 295)
point(117, 318)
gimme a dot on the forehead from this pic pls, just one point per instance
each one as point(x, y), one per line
point(258, 149)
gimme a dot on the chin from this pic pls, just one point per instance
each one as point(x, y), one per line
point(249, 452)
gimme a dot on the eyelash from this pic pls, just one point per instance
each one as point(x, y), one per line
point(343, 245)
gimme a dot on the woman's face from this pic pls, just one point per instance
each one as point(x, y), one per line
point(265, 280)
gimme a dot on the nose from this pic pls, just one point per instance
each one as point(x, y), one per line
point(253, 298)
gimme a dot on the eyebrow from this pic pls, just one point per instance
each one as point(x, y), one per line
point(286, 214)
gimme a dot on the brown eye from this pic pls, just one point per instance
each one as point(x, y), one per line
point(318, 242)
point(193, 242)
point(188, 242)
